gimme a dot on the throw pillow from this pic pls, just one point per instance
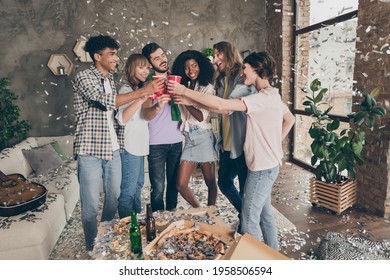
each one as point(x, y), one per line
point(42, 159)
point(59, 150)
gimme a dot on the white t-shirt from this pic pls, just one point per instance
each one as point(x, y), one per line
point(110, 118)
point(188, 119)
point(136, 135)
point(263, 142)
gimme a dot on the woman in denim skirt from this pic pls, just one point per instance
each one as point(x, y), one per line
point(197, 74)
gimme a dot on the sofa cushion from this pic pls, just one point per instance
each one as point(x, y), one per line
point(65, 142)
point(57, 147)
point(42, 159)
point(12, 160)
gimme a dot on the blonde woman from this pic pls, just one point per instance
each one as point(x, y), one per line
point(135, 132)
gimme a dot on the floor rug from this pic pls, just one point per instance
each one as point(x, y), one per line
point(337, 246)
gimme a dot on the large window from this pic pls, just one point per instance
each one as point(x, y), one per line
point(325, 39)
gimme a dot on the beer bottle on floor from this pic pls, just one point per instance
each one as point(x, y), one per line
point(150, 224)
point(135, 235)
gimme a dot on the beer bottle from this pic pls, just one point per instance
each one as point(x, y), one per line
point(135, 235)
point(150, 224)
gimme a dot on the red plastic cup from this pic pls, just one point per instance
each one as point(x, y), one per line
point(157, 93)
point(174, 78)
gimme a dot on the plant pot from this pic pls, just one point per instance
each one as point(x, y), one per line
point(335, 197)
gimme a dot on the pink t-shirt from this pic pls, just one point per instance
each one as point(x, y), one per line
point(263, 142)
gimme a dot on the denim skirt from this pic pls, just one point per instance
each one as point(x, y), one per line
point(199, 145)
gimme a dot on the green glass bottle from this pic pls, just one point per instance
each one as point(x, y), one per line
point(135, 235)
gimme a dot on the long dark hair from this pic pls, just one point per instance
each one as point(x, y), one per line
point(206, 69)
point(232, 56)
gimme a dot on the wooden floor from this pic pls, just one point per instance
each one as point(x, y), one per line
point(290, 197)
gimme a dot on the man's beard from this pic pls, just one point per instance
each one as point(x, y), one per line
point(159, 70)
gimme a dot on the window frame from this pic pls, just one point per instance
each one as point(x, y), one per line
point(296, 32)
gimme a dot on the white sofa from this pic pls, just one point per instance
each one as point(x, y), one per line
point(33, 234)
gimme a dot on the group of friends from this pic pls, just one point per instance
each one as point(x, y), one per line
point(115, 130)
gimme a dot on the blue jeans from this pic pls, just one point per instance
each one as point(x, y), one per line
point(131, 185)
point(228, 170)
point(257, 217)
point(92, 172)
point(164, 160)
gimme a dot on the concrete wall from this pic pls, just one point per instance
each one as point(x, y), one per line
point(32, 30)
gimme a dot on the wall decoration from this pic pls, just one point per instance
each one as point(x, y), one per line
point(79, 51)
point(60, 64)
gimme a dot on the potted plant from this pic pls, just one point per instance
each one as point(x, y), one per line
point(209, 52)
point(12, 130)
point(334, 151)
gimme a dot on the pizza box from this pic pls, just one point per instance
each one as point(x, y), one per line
point(223, 233)
point(246, 247)
point(201, 214)
point(210, 211)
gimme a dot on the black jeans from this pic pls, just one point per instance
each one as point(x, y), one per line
point(228, 170)
point(164, 161)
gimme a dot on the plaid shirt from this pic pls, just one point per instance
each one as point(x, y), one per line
point(92, 136)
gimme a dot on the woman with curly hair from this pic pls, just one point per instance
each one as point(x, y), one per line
point(197, 74)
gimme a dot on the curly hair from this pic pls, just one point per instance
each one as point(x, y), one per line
point(206, 69)
point(263, 63)
point(97, 44)
point(132, 62)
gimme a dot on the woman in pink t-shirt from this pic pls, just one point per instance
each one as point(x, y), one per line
point(269, 122)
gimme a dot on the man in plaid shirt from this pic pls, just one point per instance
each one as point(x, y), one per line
point(96, 144)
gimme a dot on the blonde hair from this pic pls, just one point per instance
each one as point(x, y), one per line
point(132, 62)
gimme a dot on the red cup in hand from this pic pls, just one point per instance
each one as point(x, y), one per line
point(174, 78)
point(161, 91)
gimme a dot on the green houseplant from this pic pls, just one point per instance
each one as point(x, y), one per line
point(209, 52)
point(334, 152)
point(12, 130)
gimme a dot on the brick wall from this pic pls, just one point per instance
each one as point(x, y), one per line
point(278, 41)
point(372, 68)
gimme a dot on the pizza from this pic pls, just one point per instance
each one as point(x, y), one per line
point(122, 226)
point(189, 244)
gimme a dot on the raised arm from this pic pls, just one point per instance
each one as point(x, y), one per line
point(129, 111)
point(151, 110)
point(213, 103)
point(148, 90)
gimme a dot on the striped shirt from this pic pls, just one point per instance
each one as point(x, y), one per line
point(92, 136)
